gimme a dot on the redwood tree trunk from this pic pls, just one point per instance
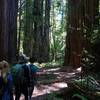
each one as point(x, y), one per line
point(73, 49)
point(28, 29)
point(3, 31)
point(8, 33)
point(80, 18)
point(12, 30)
point(45, 36)
point(41, 30)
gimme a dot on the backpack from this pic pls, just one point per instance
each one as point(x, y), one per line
point(32, 70)
point(22, 74)
point(18, 74)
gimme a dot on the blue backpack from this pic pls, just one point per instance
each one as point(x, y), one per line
point(32, 70)
point(22, 73)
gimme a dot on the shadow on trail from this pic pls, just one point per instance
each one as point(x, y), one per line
point(51, 81)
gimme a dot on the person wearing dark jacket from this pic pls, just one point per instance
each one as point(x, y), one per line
point(25, 78)
point(21, 79)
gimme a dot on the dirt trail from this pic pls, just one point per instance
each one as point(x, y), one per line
point(51, 80)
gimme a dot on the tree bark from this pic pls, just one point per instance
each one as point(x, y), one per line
point(12, 30)
point(80, 18)
point(74, 48)
point(45, 40)
point(41, 30)
point(28, 29)
point(3, 31)
point(8, 31)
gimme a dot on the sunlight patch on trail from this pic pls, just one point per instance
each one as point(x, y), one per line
point(45, 89)
point(53, 69)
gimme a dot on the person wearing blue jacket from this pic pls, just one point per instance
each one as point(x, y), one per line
point(6, 82)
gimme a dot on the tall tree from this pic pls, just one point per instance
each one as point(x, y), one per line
point(8, 31)
point(74, 48)
point(3, 33)
point(28, 29)
point(41, 15)
point(45, 31)
point(12, 29)
point(19, 24)
point(80, 28)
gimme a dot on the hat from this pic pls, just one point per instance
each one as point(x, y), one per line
point(23, 58)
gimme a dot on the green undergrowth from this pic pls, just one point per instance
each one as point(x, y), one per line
point(51, 64)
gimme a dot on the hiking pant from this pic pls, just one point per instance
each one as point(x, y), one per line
point(22, 88)
point(30, 90)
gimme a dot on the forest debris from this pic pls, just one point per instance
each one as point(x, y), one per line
point(88, 82)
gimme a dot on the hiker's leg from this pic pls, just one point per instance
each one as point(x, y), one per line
point(17, 93)
point(11, 95)
point(31, 90)
point(17, 96)
point(25, 92)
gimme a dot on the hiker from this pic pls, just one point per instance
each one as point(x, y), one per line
point(6, 82)
point(24, 77)
point(20, 74)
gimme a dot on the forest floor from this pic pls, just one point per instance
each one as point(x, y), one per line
point(52, 80)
